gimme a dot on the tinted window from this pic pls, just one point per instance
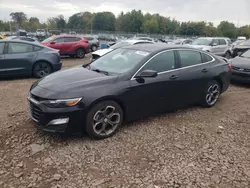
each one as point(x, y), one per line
point(145, 42)
point(206, 58)
point(59, 40)
point(77, 38)
point(2, 47)
point(216, 41)
point(222, 42)
point(69, 39)
point(189, 58)
point(89, 38)
point(37, 48)
point(19, 48)
point(162, 62)
point(28, 39)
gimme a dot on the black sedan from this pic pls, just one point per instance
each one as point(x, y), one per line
point(241, 68)
point(126, 84)
point(22, 58)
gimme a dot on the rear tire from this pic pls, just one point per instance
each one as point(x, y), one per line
point(41, 69)
point(104, 119)
point(93, 48)
point(211, 94)
point(80, 53)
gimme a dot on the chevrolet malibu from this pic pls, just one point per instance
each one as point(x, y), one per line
point(126, 84)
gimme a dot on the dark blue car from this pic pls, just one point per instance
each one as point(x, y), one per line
point(22, 58)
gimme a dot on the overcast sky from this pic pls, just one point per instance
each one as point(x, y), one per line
point(182, 10)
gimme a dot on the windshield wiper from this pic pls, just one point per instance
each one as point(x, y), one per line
point(100, 71)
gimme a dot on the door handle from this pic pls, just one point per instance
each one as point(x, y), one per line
point(173, 77)
point(204, 70)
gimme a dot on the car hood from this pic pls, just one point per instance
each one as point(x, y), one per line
point(102, 51)
point(70, 83)
point(241, 62)
point(242, 47)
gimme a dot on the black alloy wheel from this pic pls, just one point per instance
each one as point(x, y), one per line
point(212, 94)
point(104, 119)
point(80, 53)
point(41, 69)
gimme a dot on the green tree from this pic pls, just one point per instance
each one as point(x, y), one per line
point(244, 31)
point(227, 29)
point(18, 18)
point(104, 21)
point(60, 22)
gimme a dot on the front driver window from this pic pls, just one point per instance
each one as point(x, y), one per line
point(59, 40)
point(164, 61)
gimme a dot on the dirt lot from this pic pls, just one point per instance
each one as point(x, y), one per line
point(194, 147)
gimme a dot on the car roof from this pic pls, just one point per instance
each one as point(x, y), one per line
point(156, 47)
point(132, 41)
point(68, 35)
point(22, 41)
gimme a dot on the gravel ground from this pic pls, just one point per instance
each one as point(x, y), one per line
point(190, 148)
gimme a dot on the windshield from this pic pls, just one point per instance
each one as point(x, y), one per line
point(40, 30)
point(246, 54)
point(48, 39)
point(118, 61)
point(205, 42)
point(120, 44)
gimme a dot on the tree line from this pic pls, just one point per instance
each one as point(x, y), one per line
point(130, 22)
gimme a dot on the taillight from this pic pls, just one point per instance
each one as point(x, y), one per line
point(229, 66)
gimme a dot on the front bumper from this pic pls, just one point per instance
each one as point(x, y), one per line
point(240, 77)
point(57, 66)
point(60, 120)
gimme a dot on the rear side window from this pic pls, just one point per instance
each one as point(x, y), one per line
point(206, 58)
point(189, 58)
point(77, 39)
point(2, 44)
point(69, 39)
point(14, 47)
point(215, 41)
point(222, 42)
point(37, 48)
point(162, 62)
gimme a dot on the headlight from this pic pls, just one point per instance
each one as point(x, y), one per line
point(62, 103)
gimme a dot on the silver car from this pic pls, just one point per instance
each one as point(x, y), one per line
point(99, 53)
point(217, 45)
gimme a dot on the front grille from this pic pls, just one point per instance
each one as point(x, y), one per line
point(240, 69)
point(35, 112)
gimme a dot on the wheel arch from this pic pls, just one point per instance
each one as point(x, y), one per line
point(41, 60)
point(111, 98)
point(219, 80)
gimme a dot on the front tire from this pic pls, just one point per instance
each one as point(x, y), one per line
point(211, 94)
point(41, 69)
point(80, 53)
point(227, 55)
point(104, 119)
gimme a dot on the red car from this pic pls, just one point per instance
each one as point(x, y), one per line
point(71, 45)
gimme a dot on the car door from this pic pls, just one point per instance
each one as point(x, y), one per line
point(223, 46)
point(194, 74)
point(2, 58)
point(153, 95)
point(19, 58)
point(215, 49)
point(58, 44)
point(68, 44)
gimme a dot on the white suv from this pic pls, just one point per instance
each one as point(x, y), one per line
point(217, 45)
point(40, 33)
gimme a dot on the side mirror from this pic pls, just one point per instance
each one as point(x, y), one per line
point(52, 42)
point(214, 44)
point(147, 74)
